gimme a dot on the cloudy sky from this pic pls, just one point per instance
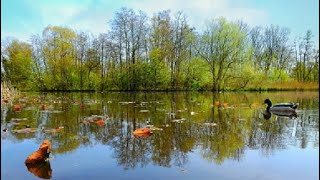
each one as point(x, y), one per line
point(22, 18)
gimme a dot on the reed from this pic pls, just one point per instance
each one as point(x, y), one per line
point(8, 93)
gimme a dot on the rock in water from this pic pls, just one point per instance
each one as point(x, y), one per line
point(41, 154)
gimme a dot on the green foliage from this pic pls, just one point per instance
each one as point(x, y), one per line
point(279, 75)
point(18, 64)
point(224, 46)
point(167, 54)
point(306, 72)
point(58, 52)
point(121, 79)
point(158, 71)
point(196, 74)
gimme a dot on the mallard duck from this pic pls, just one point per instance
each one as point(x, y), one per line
point(282, 107)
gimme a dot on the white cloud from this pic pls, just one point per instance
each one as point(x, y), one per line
point(93, 16)
point(250, 16)
point(59, 15)
point(201, 10)
point(92, 25)
point(14, 35)
point(80, 16)
point(95, 19)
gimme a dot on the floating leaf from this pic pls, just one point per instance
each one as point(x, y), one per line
point(142, 131)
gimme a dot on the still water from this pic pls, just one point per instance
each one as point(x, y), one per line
point(195, 136)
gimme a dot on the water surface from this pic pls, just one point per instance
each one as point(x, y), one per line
point(197, 135)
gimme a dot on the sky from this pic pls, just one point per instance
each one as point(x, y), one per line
point(22, 18)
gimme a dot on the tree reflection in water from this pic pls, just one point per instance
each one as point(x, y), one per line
point(190, 123)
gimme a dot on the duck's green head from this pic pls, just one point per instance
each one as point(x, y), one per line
point(268, 102)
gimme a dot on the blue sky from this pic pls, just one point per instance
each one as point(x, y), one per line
point(23, 18)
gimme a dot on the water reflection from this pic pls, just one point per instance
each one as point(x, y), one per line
point(189, 123)
point(267, 114)
point(42, 169)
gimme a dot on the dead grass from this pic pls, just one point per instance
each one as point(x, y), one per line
point(286, 86)
point(293, 86)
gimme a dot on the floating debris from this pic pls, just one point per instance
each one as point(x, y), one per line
point(49, 111)
point(58, 129)
point(230, 107)
point(221, 104)
point(82, 106)
point(144, 111)
point(142, 131)
point(153, 128)
point(19, 119)
point(178, 120)
point(184, 170)
point(96, 119)
point(25, 130)
point(43, 106)
point(99, 122)
point(127, 102)
point(17, 107)
point(209, 124)
point(86, 121)
point(171, 114)
point(30, 108)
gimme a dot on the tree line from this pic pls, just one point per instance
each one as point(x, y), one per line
point(159, 53)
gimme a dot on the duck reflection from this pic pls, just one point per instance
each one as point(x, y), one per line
point(267, 114)
point(41, 169)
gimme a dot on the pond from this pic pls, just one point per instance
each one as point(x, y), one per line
point(195, 135)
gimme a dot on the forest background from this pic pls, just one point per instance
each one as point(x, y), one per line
point(162, 52)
